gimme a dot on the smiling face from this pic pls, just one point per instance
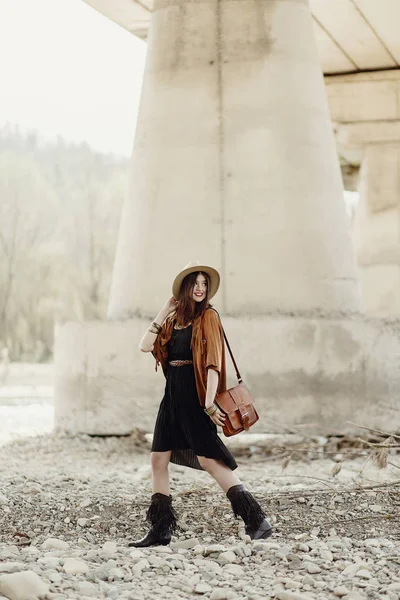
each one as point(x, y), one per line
point(200, 288)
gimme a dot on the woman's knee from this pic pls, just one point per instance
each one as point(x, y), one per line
point(160, 460)
point(208, 464)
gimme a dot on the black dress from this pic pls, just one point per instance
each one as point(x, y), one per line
point(182, 425)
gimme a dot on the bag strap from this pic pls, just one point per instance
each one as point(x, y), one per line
point(239, 377)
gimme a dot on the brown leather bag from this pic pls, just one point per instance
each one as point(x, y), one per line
point(237, 404)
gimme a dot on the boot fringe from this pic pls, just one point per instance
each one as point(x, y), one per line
point(161, 514)
point(244, 505)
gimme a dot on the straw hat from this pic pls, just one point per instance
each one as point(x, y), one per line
point(193, 267)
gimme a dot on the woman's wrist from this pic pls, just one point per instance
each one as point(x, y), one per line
point(209, 403)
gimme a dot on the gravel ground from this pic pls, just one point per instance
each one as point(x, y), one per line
point(77, 501)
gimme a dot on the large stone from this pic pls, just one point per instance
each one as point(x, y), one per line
point(25, 585)
point(286, 595)
point(73, 566)
point(189, 543)
point(55, 544)
point(11, 567)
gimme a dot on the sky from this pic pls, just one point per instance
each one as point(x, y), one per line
point(66, 69)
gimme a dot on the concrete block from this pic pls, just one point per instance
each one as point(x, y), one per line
point(303, 372)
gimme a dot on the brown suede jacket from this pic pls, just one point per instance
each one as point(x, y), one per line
point(207, 346)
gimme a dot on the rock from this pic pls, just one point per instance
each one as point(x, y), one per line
point(220, 594)
point(139, 554)
point(326, 555)
point(351, 570)
point(312, 568)
point(23, 586)
point(3, 500)
point(82, 542)
point(285, 595)
point(113, 593)
point(363, 574)
point(372, 542)
point(291, 584)
point(100, 574)
point(162, 549)
point(189, 543)
point(209, 565)
point(139, 566)
point(116, 573)
point(11, 567)
point(234, 570)
point(85, 503)
point(50, 562)
point(265, 546)
point(32, 488)
point(9, 551)
point(82, 522)
point(320, 585)
point(283, 551)
point(340, 590)
point(242, 550)
point(55, 544)
point(214, 549)
point(109, 547)
point(226, 557)
point(375, 508)
point(394, 587)
point(202, 588)
point(85, 588)
point(53, 576)
point(74, 566)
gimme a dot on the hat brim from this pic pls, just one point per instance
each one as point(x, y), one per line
point(213, 274)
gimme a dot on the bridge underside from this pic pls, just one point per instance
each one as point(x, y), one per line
point(352, 35)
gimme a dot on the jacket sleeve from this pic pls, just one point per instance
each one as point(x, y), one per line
point(214, 340)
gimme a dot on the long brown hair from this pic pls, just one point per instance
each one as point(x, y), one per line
point(188, 309)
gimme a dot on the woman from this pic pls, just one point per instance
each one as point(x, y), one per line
point(186, 338)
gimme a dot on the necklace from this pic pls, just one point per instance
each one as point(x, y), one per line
point(179, 328)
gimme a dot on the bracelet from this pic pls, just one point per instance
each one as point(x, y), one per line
point(155, 328)
point(211, 410)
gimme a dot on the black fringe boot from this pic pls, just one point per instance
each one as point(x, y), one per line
point(162, 518)
point(246, 506)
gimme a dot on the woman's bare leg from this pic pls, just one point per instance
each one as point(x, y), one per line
point(159, 471)
point(243, 502)
point(220, 472)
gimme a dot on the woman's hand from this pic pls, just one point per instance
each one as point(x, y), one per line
point(218, 418)
point(169, 306)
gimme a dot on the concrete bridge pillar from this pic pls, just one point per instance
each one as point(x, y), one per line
point(235, 162)
point(377, 228)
